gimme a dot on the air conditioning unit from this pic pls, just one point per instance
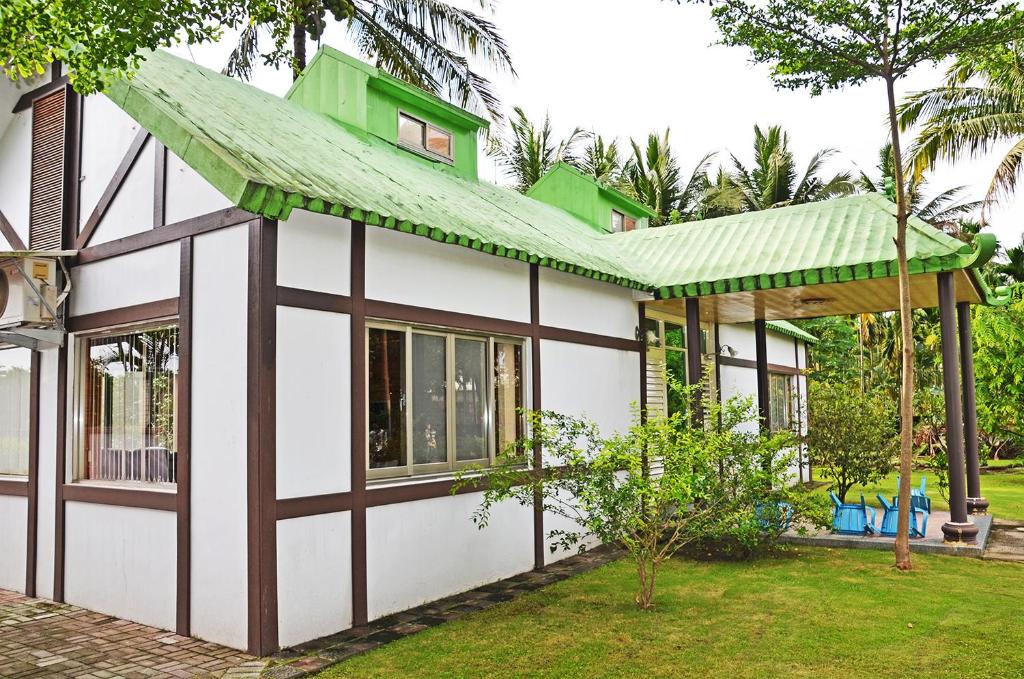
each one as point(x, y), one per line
point(24, 286)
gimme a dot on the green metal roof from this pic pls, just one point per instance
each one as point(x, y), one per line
point(787, 328)
point(269, 155)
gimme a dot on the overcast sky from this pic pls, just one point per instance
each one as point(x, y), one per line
point(624, 69)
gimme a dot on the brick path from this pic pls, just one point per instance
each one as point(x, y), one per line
point(44, 639)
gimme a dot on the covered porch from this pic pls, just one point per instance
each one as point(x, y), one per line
point(830, 259)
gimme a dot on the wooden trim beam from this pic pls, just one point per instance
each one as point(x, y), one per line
point(535, 378)
point(32, 529)
point(8, 232)
point(26, 100)
point(137, 313)
point(60, 473)
point(313, 505)
point(165, 501)
point(761, 365)
point(113, 188)
point(159, 184)
point(747, 363)
point(183, 431)
point(317, 301)
point(694, 368)
point(393, 311)
point(357, 272)
point(12, 487)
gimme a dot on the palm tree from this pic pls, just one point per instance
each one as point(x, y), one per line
point(600, 160)
point(423, 42)
point(962, 118)
point(531, 150)
point(772, 180)
point(946, 210)
point(1013, 268)
point(652, 176)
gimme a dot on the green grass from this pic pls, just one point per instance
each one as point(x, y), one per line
point(808, 613)
point(1004, 490)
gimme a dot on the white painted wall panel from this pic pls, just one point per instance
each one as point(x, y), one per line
point(107, 132)
point(131, 211)
point(47, 470)
point(313, 252)
point(314, 577)
point(780, 349)
point(425, 550)
point(313, 402)
point(414, 270)
point(595, 382)
point(740, 337)
point(578, 303)
point(219, 537)
point(13, 541)
point(121, 561)
point(15, 163)
point(188, 194)
point(145, 276)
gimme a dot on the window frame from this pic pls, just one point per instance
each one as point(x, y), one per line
point(622, 220)
point(412, 470)
point(79, 343)
point(422, 148)
point(788, 397)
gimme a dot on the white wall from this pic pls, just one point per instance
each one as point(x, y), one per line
point(15, 162)
point(188, 195)
point(121, 561)
point(13, 542)
point(425, 550)
point(578, 303)
point(414, 270)
point(313, 252)
point(145, 276)
point(314, 577)
point(131, 211)
point(46, 498)
point(219, 537)
point(314, 432)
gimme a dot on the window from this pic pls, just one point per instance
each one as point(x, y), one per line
point(618, 220)
point(421, 136)
point(438, 400)
point(628, 224)
point(780, 404)
point(15, 367)
point(129, 406)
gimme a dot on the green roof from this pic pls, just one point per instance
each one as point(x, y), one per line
point(269, 155)
point(787, 328)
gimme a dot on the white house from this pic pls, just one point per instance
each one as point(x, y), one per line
point(289, 320)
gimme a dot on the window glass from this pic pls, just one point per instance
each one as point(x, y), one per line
point(780, 405)
point(439, 142)
point(617, 220)
point(675, 336)
point(508, 394)
point(15, 367)
point(130, 406)
point(429, 399)
point(386, 396)
point(628, 224)
point(410, 130)
point(675, 368)
point(470, 399)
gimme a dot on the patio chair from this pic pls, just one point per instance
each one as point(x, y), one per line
point(774, 517)
point(918, 519)
point(918, 498)
point(852, 518)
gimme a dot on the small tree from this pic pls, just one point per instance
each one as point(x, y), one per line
point(851, 435)
point(830, 45)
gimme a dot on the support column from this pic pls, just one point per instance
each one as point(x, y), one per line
point(761, 350)
point(693, 364)
point(976, 504)
point(642, 336)
point(959, 528)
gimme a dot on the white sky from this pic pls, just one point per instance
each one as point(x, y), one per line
point(624, 69)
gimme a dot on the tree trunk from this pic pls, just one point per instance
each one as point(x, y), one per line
point(907, 334)
point(298, 50)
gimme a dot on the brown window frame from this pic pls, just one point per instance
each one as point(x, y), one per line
point(421, 148)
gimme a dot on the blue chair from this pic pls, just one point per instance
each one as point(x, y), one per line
point(891, 516)
point(852, 518)
point(774, 517)
point(918, 498)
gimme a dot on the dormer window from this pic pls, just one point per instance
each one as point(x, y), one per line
point(621, 222)
point(422, 137)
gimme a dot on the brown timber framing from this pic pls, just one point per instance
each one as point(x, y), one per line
point(33, 475)
point(120, 497)
point(261, 458)
point(113, 188)
point(358, 455)
point(747, 363)
point(159, 184)
point(26, 100)
point(8, 232)
point(535, 404)
point(183, 432)
point(137, 313)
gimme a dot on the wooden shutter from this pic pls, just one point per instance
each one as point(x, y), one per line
point(47, 190)
point(657, 389)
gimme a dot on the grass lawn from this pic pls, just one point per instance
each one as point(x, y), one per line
point(1004, 490)
point(806, 613)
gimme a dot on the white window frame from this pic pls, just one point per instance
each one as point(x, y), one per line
point(452, 464)
point(78, 375)
point(421, 148)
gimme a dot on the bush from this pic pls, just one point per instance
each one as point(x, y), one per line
point(852, 435)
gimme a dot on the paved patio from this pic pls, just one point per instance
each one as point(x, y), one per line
point(932, 542)
point(44, 639)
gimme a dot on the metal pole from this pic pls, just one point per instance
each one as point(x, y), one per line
point(959, 528)
point(976, 504)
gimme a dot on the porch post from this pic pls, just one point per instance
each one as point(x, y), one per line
point(761, 350)
point(959, 528)
point(976, 504)
point(693, 363)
